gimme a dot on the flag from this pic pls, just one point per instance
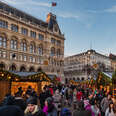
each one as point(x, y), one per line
point(54, 4)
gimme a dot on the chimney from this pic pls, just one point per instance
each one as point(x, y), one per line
point(50, 16)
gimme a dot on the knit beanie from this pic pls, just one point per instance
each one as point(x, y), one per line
point(49, 100)
point(32, 100)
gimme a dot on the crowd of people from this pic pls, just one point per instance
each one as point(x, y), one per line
point(60, 100)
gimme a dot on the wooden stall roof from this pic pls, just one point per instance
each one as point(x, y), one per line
point(24, 76)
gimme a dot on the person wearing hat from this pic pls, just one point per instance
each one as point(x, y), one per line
point(49, 108)
point(9, 108)
point(32, 108)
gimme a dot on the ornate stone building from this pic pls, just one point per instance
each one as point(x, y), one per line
point(30, 44)
point(113, 61)
point(85, 65)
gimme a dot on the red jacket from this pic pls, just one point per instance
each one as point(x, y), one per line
point(79, 95)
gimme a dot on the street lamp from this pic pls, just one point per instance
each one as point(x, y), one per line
point(13, 57)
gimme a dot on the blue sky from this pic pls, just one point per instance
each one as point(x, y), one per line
point(85, 23)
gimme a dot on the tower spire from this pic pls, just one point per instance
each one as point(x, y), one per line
point(91, 45)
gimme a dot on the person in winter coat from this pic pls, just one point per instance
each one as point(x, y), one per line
point(9, 108)
point(42, 97)
point(94, 107)
point(57, 100)
point(81, 110)
point(19, 101)
point(105, 104)
point(32, 108)
point(110, 111)
point(79, 95)
point(49, 108)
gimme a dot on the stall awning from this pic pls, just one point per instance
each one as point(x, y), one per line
point(24, 76)
point(108, 74)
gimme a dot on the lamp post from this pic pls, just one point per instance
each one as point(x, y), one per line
point(13, 57)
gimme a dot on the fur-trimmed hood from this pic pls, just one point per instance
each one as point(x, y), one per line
point(35, 110)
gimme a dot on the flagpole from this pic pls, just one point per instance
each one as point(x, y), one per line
point(51, 7)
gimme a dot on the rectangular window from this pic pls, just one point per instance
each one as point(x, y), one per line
point(21, 57)
point(58, 43)
point(53, 40)
point(4, 43)
point(3, 24)
point(15, 44)
point(24, 31)
point(0, 41)
point(0, 53)
point(40, 61)
point(31, 59)
point(25, 58)
point(4, 54)
point(33, 34)
point(41, 37)
point(14, 28)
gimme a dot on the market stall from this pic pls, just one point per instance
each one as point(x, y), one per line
point(11, 81)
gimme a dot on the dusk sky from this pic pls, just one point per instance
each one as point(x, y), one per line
point(85, 23)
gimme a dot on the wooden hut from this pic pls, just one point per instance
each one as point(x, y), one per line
point(11, 81)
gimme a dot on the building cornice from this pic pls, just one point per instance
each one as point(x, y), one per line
point(36, 23)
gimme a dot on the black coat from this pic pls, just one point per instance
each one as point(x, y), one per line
point(39, 113)
point(20, 102)
point(11, 110)
point(82, 113)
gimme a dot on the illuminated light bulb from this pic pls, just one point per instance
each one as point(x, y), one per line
point(9, 77)
point(16, 79)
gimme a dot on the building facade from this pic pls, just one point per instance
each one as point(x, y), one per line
point(30, 44)
point(84, 65)
point(113, 61)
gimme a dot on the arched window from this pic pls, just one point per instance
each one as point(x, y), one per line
point(22, 69)
point(23, 46)
point(39, 69)
point(3, 42)
point(12, 68)
point(32, 48)
point(40, 50)
point(13, 44)
point(31, 69)
point(52, 51)
point(82, 78)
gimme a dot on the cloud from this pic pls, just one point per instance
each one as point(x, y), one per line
point(29, 2)
point(111, 10)
point(68, 15)
point(10, 2)
point(92, 11)
point(108, 10)
point(45, 4)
